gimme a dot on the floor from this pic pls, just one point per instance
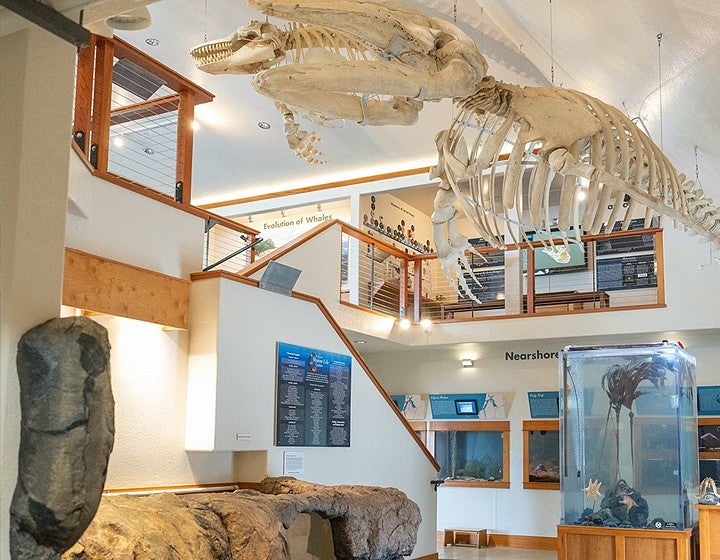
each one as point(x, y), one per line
point(494, 553)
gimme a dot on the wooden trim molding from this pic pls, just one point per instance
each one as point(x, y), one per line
point(515, 541)
point(502, 426)
point(106, 286)
point(522, 541)
point(320, 187)
point(537, 425)
point(433, 556)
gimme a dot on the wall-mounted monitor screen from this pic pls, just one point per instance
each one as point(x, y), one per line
point(550, 259)
point(466, 408)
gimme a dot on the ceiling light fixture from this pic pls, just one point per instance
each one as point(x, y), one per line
point(404, 324)
point(361, 342)
point(466, 362)
point(149, 151)
point(153, 42)
point(194, 124)
point(133, 20)
point(426, 325)
point(264, 125)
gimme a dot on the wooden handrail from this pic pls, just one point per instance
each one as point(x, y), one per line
point(93, 116)
point(174, 80)
point(343, 337)
point(314, 232)
point(149, 108)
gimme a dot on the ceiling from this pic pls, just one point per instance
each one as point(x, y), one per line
point(607, 49)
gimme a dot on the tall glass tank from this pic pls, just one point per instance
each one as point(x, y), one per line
point(628, 436)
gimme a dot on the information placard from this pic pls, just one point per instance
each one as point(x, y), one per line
point(467, 406)
point(313, 397)
point(708, 400)
point(544, 404)
point(626, 273)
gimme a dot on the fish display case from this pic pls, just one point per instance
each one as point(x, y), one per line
point(628, 451)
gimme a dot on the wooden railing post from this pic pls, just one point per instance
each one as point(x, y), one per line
point(417, 292)
point(183, 166)
point(402, 285)
point(100, 124)
point(83, 95)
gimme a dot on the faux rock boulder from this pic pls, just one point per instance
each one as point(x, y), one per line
point(368, 523)
point(67, 433)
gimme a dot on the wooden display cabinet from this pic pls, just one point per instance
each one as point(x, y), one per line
point(606, 543)
point(541, 454)
point(709, 528)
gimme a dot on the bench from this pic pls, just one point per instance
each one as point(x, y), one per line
point(570, 300)
point(465, 537)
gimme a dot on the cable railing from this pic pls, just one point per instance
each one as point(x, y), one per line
point(227, 249)
point(133, 127)
point(133, 118)
point(618, 270)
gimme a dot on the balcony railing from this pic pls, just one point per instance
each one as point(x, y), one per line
point(619, 270)
point(133, 117)
point(133, 127)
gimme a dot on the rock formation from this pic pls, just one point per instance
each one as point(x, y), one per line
point(66, 435)
point(368, 523)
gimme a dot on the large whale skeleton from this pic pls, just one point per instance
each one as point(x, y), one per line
point(375, 62)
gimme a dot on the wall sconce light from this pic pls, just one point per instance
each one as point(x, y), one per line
point(466, 362)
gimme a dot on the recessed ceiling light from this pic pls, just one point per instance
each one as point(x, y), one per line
point(149, 151)
point(360, 341)
point(152, 41)
point(264, 125)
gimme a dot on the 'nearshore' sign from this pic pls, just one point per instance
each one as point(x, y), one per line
point(535, 355)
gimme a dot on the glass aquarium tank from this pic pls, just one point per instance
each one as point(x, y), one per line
point(472, 453)
point(628, 436)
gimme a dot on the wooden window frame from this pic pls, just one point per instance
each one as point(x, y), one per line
point(502, 426)
point(531, 426)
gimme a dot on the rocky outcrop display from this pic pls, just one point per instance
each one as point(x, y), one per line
point(368, 523)
point(66, 436)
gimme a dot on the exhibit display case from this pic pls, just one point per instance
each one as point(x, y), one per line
point(628, 449)
point(628, 436)
point(472, 453)
point(541, 455)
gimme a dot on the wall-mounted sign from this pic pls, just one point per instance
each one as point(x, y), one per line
point(626, 273)
point(313, 397)
point(467, 405)
point(708, 400)
point(413, 407)
point(544, 404)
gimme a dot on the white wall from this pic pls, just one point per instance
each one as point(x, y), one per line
point(319, 261)
point(34, 134)
point(437, 370)
point(132, 228)
point(251, 323)
point(148, 368)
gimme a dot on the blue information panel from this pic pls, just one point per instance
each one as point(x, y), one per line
point(313, 397)
point(708, 399)
point(544, 404)
point(462, 405)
